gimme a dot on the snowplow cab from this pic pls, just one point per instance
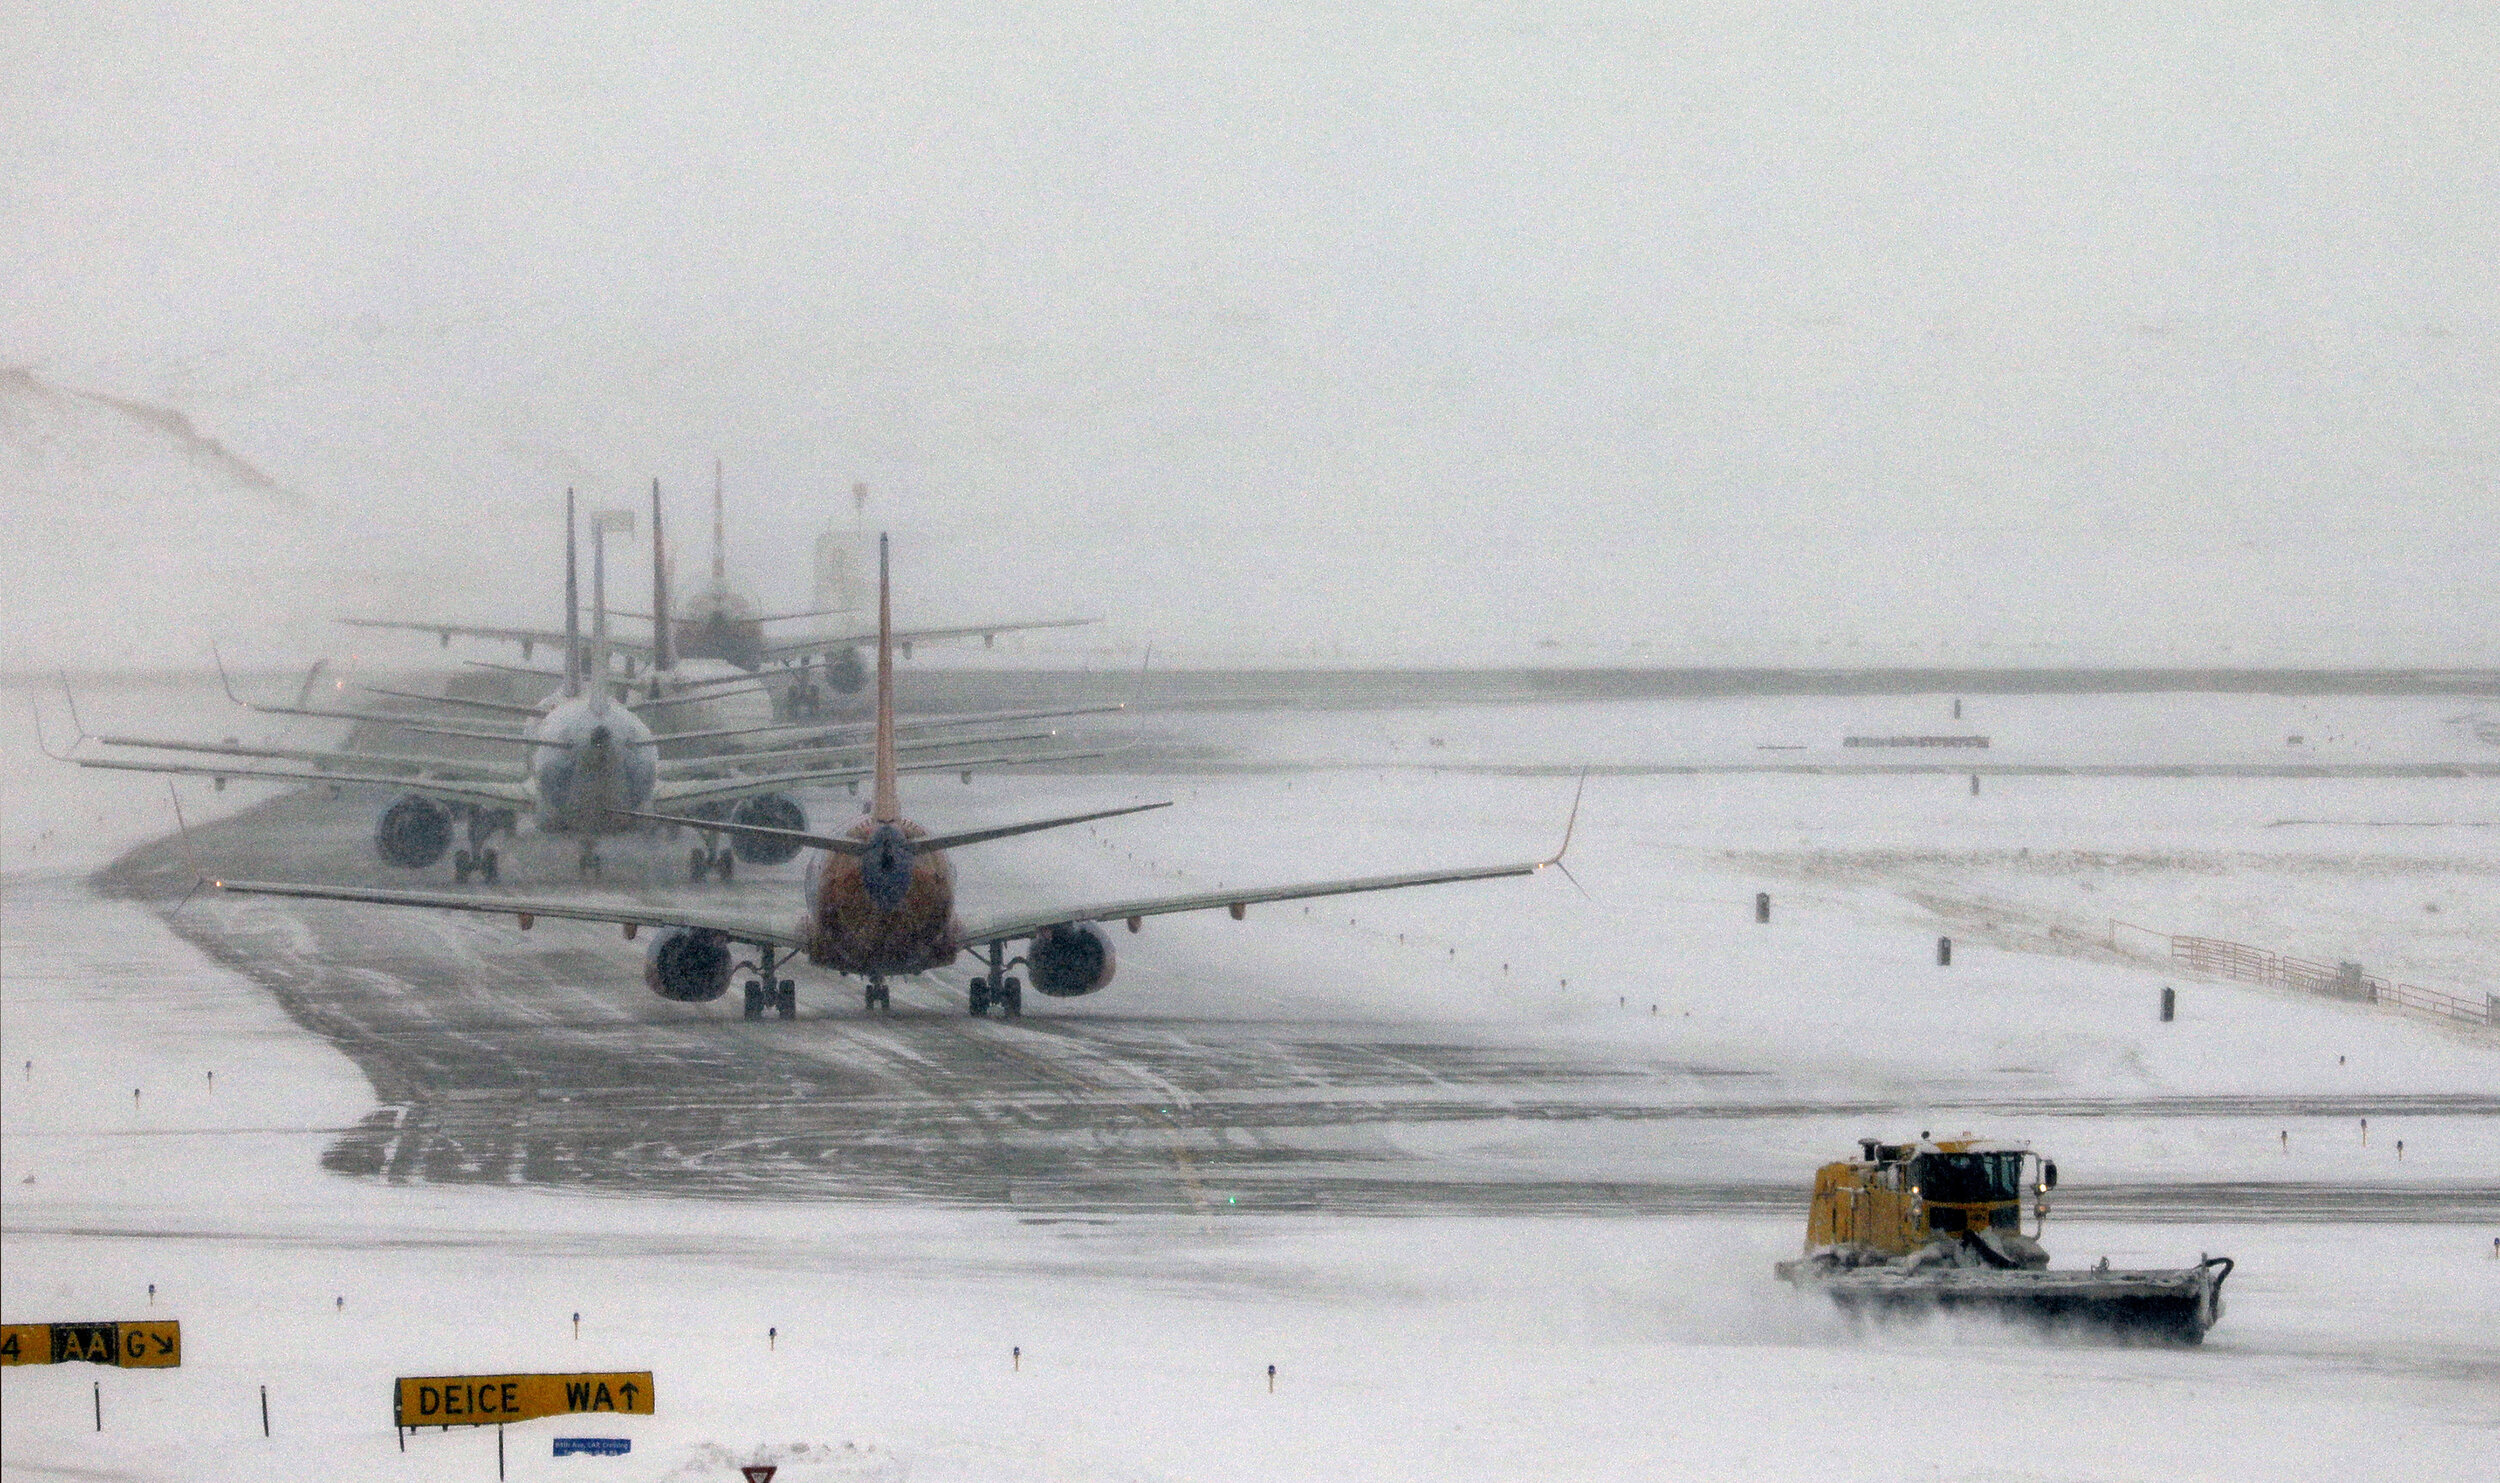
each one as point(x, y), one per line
point(1898, 1197)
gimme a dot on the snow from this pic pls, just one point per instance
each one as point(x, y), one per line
point(1477, 1346)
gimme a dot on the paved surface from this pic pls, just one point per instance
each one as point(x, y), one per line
point(540, 1058)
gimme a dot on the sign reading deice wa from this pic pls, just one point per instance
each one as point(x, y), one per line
point(490, 1400)
point(146, 1344)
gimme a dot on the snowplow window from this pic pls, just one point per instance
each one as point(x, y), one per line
point(1968, 1178)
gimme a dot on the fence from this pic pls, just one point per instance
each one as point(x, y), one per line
point(2341, 981)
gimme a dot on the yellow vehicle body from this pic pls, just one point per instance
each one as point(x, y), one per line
point(1922, 1226)
point(1895, 1200)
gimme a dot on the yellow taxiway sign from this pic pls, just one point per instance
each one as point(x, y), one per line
point(490, 1400)
point(145, 1344)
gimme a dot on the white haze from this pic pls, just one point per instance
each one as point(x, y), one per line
point(1970, 334)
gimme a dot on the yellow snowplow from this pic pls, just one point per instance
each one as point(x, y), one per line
point(1937, 1226)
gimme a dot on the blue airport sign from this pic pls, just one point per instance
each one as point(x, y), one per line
point(594, 1446)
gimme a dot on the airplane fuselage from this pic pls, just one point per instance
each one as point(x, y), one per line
point(888, 911)
point(601, 760)
point(717, 624)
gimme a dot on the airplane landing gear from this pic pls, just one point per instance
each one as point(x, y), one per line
point(705, 860)
point(780, 996)
point(478, 859)
point(1008, 997)
point(878, 996)
point(996, 987)
point(767, 992)
point(590, 859)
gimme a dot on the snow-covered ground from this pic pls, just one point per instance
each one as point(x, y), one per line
point(1492, 1346)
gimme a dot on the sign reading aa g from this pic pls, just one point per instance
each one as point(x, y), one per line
point(491, 1400)
point(149, 1344)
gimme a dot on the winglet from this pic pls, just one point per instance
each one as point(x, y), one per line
point(182, 828)
point(76, 725)
point(224, 680)
point(45, 747)
point(312, 680)
point(1569, 824)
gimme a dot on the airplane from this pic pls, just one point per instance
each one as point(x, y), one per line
point(879, 902)
point(592, 764)
point(721, 623)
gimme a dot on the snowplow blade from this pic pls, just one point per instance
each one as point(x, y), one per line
point(2173, 1306)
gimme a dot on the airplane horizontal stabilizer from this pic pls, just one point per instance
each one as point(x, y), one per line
point(489, 795)
point(983, 836)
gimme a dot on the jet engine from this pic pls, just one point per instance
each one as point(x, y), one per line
point(768, 811)
point(1070, 959)
point(414, 832)
point(688, 964)
point(844, 671)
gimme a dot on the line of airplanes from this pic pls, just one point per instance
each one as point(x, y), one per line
point(720, 623)
point(591, 758)
point(878, 898)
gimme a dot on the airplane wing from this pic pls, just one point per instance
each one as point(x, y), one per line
point(756, 618)
point(694, 790)
point(1016, 928)
point(483, 794)
point(823, 732)
point(318, 756)
point(528, 637)
point(845, 845)
point(905, 638)
point(378, 718)
point(719, 763)
point(499, 707)
point(736, 929)
point(1010, 929)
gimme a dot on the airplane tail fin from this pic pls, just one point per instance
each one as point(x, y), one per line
point(663, 628)
point(621, 521)
point(720, 554)
point(572, 603)
point(889, 804)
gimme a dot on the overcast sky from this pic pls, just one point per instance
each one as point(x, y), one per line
point(1970, 334)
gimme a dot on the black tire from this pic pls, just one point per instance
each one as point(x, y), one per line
point(728, 860)
point(979, 995)
point(755, 1001)
point(1013, 999)
point(697, 866)
point(488, 868)
point(786, 1000)
point(460, 867)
